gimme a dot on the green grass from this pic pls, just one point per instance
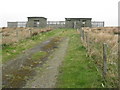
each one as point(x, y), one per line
point(12, 51)
point(38, 55)
point(77, 70)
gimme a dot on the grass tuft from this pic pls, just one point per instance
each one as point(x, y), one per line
point(38, 55)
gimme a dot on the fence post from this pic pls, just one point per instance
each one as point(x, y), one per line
point(86, 37)
point(104, 60)
point(87, 41)
point(83, 34)
point(88, 44)
point(30, 32)
point(17, 35)
point(74, 24)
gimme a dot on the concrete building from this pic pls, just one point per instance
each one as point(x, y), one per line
point(39, 22)
point(77, 22)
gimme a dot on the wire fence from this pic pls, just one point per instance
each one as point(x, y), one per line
point(104, 53)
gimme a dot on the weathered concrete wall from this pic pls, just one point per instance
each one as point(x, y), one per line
point(69, 24)
point(88, 23)
point(39, 22)
point(77, 22)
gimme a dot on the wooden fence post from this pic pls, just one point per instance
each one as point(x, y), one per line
point(83, 34)
point(87, 41)
point(17, 35)
point(74, 24)
point(104, 60)
point(86, 37)
point(30, 32)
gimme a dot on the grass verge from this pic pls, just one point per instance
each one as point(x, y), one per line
point(12, 51)
point(77, 70)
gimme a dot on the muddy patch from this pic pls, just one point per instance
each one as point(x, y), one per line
point(16, 72)
point(46, 77)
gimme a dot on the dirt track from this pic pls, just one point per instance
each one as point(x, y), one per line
point(47, 78)
point(41, 74)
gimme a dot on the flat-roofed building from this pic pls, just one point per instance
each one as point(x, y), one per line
point(77, 22)
point(39, 22)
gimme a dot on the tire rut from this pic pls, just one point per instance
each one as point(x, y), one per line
point(18, 71)
point(48, 76)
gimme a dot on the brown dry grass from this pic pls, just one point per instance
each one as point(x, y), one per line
point(107, 35)
point(104, 35)
point(109, 30)
point(10, 35)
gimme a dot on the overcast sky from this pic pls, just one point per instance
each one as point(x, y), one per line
point(57, 10)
